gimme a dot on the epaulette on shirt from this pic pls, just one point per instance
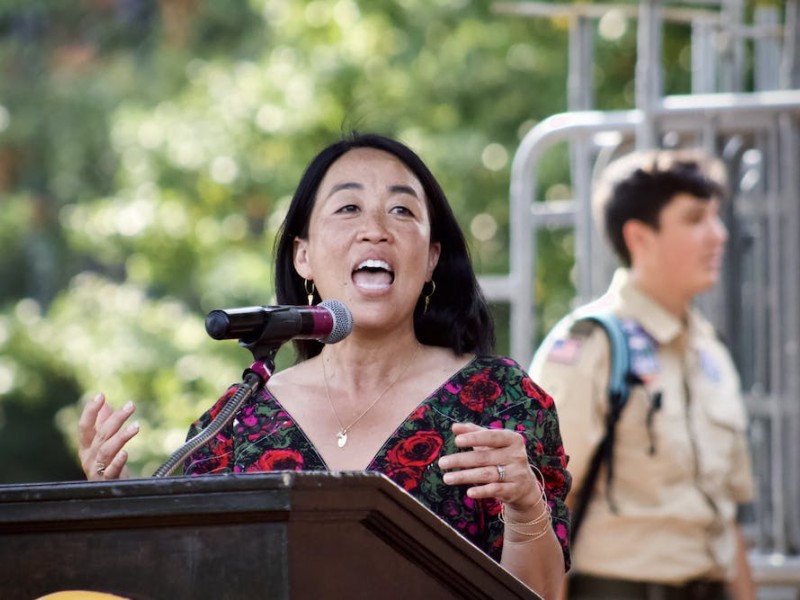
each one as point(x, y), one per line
point(582, 327)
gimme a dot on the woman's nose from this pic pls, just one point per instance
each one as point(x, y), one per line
point(375, 227)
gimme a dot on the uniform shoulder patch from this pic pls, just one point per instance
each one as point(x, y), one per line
point(566, 351)
point(710, 367)
point(644, 350)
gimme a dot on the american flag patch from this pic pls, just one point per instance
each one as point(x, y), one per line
point(565, 351)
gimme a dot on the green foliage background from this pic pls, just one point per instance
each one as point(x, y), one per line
point(147, 153)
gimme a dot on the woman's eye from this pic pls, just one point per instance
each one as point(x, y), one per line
point(347, 208)
point(402, 210)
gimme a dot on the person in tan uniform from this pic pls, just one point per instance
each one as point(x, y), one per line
point(664, 526)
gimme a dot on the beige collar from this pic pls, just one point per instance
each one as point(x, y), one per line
point(662, 325)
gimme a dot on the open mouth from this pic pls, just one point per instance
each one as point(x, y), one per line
point(373, 274)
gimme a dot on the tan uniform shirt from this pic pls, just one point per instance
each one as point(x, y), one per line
point(679, 468)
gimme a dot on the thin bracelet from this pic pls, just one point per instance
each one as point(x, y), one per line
point(543, 516)
point(534, 535)
point(523, 542)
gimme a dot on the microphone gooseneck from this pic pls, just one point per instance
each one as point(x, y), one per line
point(262, 329)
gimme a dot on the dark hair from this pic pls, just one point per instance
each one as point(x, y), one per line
point(458, 316)
point(639, 185)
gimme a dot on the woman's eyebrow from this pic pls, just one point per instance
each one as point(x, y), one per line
point(352, 185)
point(348, 185)
point(403, 189)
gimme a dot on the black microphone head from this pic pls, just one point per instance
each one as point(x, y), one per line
point(342, 321)
point(217, 324)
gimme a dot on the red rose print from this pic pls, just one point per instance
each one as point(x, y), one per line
point(419, 450)
point(419, 413)
point(278, 460)
point(479, 391)
point(212, 463)
point(406, 477)
point(221, 402)
point(553, 477)
point(534, 391)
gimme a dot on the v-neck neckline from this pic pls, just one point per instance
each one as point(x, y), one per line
point(371, 465)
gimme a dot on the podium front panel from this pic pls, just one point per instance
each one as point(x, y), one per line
point(273, 535)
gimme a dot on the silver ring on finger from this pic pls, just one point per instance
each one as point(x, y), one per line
point(501, 471)
point(100, 469)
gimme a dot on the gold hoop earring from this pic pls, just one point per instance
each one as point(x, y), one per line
point(309, 292)
point(427, 299)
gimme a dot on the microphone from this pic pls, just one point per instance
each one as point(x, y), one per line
point(329, 322)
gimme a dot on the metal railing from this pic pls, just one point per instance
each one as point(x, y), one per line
point(757, 133)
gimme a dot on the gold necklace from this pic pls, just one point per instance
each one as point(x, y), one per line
point(341, 435)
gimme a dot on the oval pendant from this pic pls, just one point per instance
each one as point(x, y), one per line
point(341, 438)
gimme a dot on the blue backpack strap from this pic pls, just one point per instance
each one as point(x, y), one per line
point(619, 375)
point(619, 384)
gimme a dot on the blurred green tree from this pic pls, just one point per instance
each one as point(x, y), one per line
point(148, 151)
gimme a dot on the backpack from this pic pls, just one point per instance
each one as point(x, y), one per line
point(621, 377)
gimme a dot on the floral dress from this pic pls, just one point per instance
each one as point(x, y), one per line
point(493, 392)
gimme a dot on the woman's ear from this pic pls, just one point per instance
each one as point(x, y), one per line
point(301, 262)
point(433, 258)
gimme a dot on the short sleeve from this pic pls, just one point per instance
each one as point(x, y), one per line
point(216, 456)
point(573, 367)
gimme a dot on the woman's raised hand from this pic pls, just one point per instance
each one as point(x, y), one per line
point(102, 434)
point(495, 464)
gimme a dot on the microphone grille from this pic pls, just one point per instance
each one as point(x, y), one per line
point(342, 321)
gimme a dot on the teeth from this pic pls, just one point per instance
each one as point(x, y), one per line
point(372, 263)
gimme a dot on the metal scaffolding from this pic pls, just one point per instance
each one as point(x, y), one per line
point(753, 123)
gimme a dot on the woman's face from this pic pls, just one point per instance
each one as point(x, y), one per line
point(369, 239)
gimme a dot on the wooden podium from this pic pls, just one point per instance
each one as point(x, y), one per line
point(272, 535)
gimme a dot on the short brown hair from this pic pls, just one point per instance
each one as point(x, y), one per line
point(639, 185)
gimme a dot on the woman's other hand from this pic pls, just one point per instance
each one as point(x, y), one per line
point(495, 464)
point(102, 434)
